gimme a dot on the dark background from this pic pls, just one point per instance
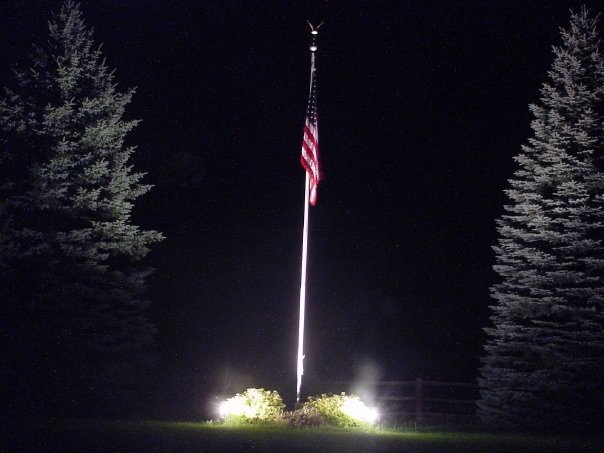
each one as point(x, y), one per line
point(422, 107)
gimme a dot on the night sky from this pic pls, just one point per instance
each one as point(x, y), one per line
point(422, 106)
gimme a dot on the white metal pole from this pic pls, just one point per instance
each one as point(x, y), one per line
point(300, 366)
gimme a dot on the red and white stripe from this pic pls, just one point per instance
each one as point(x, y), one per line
point(310, 156)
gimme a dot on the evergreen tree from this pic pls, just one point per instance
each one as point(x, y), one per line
point(544, 362)
point(71, 282)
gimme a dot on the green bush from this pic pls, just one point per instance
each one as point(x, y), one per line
point(253, 406)
point(306, 416)
point(336, 410)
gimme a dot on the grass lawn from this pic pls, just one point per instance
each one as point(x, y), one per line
point(146, 436)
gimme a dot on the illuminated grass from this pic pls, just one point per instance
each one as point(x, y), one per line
point(87, 435)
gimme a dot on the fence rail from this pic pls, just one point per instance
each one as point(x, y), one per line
point(425, 400)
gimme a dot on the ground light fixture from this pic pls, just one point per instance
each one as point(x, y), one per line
point(358, 410)
point(235, 406)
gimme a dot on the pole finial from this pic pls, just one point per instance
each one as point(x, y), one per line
point(314, 31)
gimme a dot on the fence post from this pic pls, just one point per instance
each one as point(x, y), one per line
point(418, 400)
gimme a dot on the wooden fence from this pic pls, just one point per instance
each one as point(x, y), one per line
point(425, 401)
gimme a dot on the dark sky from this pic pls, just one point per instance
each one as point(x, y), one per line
point(422, 106)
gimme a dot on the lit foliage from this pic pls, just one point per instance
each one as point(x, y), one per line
point(342, 410)
point(305, 417)
point(545, 353)
point(266, 406)
point(252, 406)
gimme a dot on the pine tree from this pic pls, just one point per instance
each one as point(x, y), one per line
point(71, 282)
point(544, 362)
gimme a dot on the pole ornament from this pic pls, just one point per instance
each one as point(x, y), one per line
point(314, 31)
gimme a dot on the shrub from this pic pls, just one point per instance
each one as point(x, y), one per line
point(253, 406)
point(306, 416)
point(342, 410)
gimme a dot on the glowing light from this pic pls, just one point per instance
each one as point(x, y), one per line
point(254, 403)
point(358, 410)
point(235, 406)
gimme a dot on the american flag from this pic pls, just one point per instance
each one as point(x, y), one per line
point(310, 141)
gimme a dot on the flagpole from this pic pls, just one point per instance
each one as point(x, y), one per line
point(300, 367)
point(300, 361)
